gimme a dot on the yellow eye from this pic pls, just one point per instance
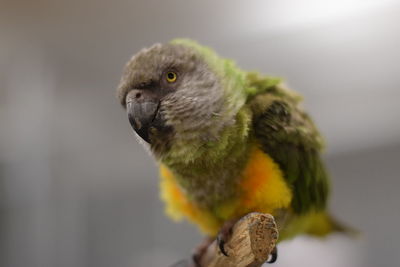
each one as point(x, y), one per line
point(171, 77)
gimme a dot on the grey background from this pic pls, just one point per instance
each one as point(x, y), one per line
point(76, 189)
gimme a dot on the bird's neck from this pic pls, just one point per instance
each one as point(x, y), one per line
point(202, 168)
point(229, 143)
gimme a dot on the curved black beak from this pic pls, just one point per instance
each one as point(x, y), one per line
point(142, 109)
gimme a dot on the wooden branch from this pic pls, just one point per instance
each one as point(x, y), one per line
point(253, 238)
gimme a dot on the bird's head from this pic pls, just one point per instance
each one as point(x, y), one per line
point(180, 93)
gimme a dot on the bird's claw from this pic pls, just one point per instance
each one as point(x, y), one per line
point(224, 235)
point(221, 245)
point(273, 256)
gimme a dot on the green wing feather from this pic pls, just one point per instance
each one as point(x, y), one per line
point(288, 135)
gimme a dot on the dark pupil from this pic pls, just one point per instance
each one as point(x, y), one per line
point(171, 75)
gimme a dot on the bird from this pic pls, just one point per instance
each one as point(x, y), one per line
point(227, 141)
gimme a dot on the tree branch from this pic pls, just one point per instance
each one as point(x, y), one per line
point(253, 238)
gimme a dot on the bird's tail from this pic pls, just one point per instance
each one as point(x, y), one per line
point(323, 224)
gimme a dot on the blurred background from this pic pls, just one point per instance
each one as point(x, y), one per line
point(76, 189)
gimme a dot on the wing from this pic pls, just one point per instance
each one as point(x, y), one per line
point(287, 134)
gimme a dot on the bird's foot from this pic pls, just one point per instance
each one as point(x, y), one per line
point(224, 235)
point(273, 256)
point(200, 250)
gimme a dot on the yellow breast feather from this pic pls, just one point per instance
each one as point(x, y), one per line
point(262, 188)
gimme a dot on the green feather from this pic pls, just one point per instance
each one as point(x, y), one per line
point(266, 113)
point(291, 139)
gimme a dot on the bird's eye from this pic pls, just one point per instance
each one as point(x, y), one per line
point(171, 77)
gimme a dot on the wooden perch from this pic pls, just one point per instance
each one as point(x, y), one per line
point(253, 238)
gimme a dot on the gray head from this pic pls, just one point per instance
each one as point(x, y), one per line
point(174, 94)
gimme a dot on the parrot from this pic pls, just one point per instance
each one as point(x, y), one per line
point(228, 142)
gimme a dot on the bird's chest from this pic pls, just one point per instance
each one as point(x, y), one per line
point(209, 200)
point(212, 186)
